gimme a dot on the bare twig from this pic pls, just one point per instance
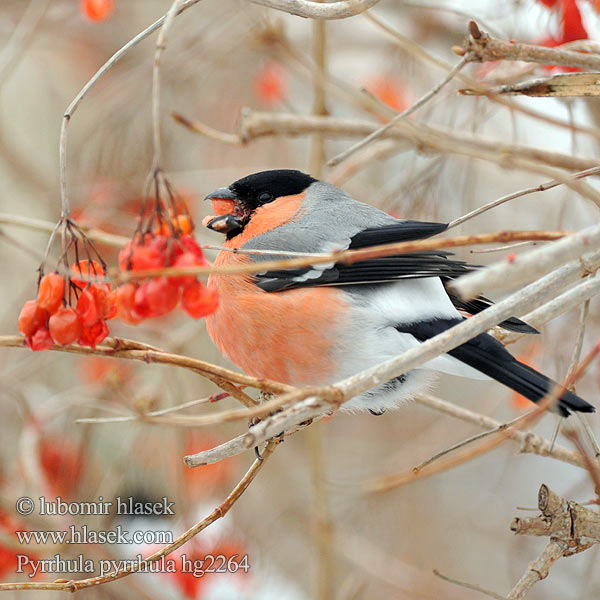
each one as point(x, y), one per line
point(557, 306)
point(539, 188)
point(526, 267)
point(336, 160)
point(416, 50)
point(96, 235)
point(538, 569)
point(427, 138)
point(161, 44)
point(480, 47)
point(469, 586)
point(340, 9)
point(65, 203)
point(119, 348)
point(312, 407)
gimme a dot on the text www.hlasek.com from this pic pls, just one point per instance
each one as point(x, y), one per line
point(83, 535)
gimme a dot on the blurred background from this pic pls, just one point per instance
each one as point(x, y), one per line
point(306, 523)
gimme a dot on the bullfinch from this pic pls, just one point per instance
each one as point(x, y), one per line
point(319, 324)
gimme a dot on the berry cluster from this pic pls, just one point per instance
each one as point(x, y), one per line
point(74, 308)
point(156, 296)
point(51, 318)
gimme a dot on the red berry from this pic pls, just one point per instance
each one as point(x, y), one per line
point(146, 257)
point(140, 302)
point(51, 292)
point(199, 301)
point(572, 23)
point(189, 243)
point(185, 260)
point(40, 340)
point(65, 326)
point(161, 295)
point(87, 309)
point(31, 318)
point(93, 335)
point(101, 295)
point(85, 271)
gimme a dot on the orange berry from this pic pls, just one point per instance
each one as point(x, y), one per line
point(31, 318)
point(51, 292)
point(269, 84)
point(183, 223)
point(125, 299)
point(97, 10)
point(85, 271)
point(112, 300)
point(65, 326)
point(199, 301)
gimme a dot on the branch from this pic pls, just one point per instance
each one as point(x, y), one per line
point(478, 46)
point(538, 569)
point(336, 160)
point(556, 307)
point(62, 147)
point(529, 442)
point(121, 348)
point(525, 267)
point(340, 9)
point(542, 187)
point(571, 527)
point(426, 138)
point(96, 235)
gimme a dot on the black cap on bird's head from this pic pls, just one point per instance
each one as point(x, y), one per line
point(234, 205)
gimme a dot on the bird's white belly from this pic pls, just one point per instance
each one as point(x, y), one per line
point(374, 339)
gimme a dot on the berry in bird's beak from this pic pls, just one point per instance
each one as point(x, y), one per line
point(222, 206)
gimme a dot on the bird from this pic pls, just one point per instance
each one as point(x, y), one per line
point(319, 324)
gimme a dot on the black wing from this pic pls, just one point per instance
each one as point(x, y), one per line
point(390, 268)
point(403, 231)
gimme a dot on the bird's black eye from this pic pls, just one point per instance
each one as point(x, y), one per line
point(265, 197)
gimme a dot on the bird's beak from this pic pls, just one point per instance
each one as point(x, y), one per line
point(224, 224)
point(224, 205)
point(224, 201)
point(221, 194)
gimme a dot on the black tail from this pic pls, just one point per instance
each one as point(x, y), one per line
point(489, 356)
